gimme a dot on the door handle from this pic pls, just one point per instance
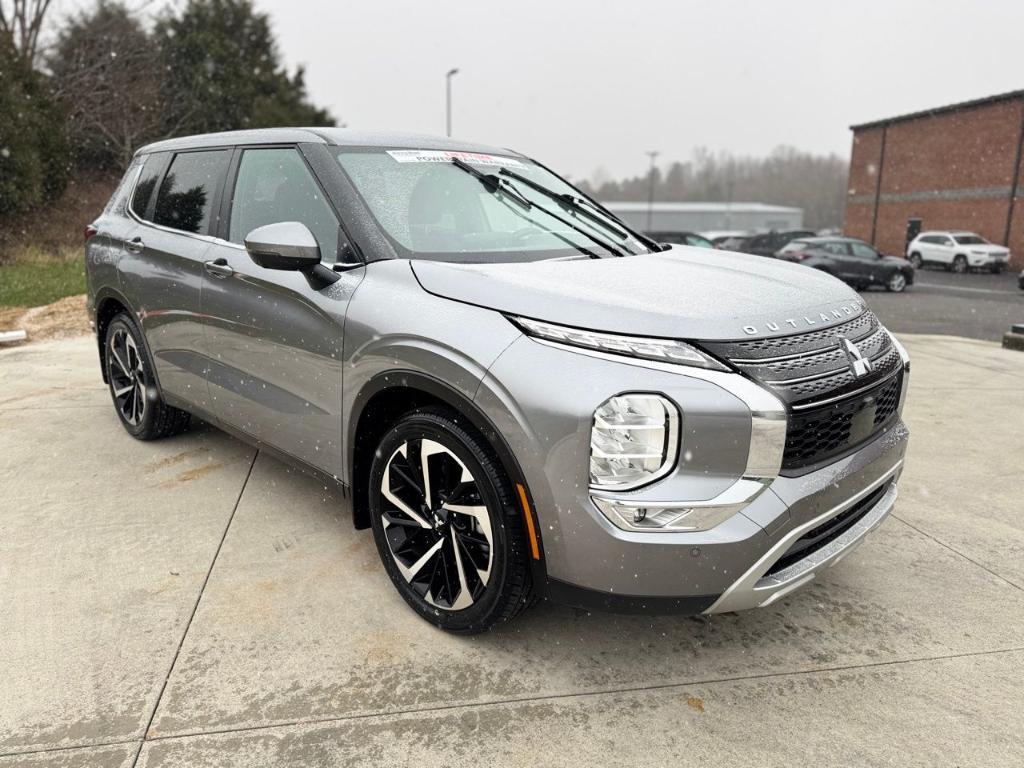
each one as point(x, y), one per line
point(135, 245)
point(219, 268)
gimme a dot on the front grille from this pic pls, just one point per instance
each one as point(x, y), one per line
point(817, 435)
point(831, 410)
point(830, 530)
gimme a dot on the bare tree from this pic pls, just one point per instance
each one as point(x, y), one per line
point(107, 73)
point(21, 21)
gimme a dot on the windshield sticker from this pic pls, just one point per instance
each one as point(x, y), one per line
point(444, 156)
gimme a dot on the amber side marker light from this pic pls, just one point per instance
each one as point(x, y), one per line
point(528, 514)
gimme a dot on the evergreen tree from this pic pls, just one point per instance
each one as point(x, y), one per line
point(222, 72)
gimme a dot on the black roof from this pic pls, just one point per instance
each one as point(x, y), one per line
point(958, 107)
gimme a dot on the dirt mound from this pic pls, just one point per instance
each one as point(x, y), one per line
point(60, 320)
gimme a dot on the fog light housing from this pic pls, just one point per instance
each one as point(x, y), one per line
point(634, 441)
point(663, 516)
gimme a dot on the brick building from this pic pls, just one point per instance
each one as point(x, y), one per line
point(954, 167)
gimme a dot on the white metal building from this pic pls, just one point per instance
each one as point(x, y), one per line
point(702, 217)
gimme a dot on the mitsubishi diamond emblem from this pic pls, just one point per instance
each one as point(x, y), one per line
point(859, 365)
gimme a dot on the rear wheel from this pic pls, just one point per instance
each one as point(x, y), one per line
point(897, 282)
point(960, 264)
point(137, 402)
point(446, 524)
point(916, 261)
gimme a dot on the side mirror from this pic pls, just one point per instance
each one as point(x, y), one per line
point(285, 245)
point(289, 245)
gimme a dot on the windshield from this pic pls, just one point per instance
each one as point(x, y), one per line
point(430, 208)
point(970, 240)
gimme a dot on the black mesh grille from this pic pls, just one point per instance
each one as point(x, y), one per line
point(817, 435)
point(832, 410)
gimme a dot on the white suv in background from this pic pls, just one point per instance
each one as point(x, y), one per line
point(959, 251)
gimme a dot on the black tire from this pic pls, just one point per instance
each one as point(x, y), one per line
point(997, 269)
point(441, 542)
point(916, 261)
point(896, 283)
point(960, 265)
point(137, 402)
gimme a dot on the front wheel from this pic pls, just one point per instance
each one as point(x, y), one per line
point(446, 524)
point(897, 282)
point(960, 265)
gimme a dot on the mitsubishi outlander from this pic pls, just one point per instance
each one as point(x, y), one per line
point(522, 397)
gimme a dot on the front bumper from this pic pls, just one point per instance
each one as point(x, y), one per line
point(762, 584)
point(590, 562)
point(988, 260)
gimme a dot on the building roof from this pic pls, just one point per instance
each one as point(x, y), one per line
point(626, 207)
point(334, 136)
point(958, 107)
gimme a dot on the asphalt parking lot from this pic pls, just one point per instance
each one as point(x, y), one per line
point(192, 603)
point(978, 305)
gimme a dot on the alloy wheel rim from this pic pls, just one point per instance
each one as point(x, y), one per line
point(127, 377)
point(436, 525)
point(897, 282)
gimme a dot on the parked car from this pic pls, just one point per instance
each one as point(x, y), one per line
point(958, 251)
point(851, 260)
point(518, 394)
point(681, 238)
point(1020, 280)
point(769, 243)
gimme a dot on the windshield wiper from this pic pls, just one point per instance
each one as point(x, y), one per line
point(497, 185)
point(569, 201)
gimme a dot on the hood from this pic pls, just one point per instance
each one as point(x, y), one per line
point(682, 293)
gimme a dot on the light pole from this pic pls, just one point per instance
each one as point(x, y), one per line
point(653, 154)
point(448, 99)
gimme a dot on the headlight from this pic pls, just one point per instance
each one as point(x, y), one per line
point(663, 350)
point(634, 440)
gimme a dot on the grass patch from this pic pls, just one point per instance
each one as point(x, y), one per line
point(32, 279)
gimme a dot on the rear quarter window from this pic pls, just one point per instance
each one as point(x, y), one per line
point(151, 169)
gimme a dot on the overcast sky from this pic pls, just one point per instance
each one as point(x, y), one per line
point(583, 84)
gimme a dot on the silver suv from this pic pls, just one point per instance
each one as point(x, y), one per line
point(521, 396)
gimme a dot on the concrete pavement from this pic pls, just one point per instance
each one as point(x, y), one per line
point(191, 603)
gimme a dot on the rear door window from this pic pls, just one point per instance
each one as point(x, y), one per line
point(275, 185)
point(836, 249)
point(185, 198)
point(862, 251)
